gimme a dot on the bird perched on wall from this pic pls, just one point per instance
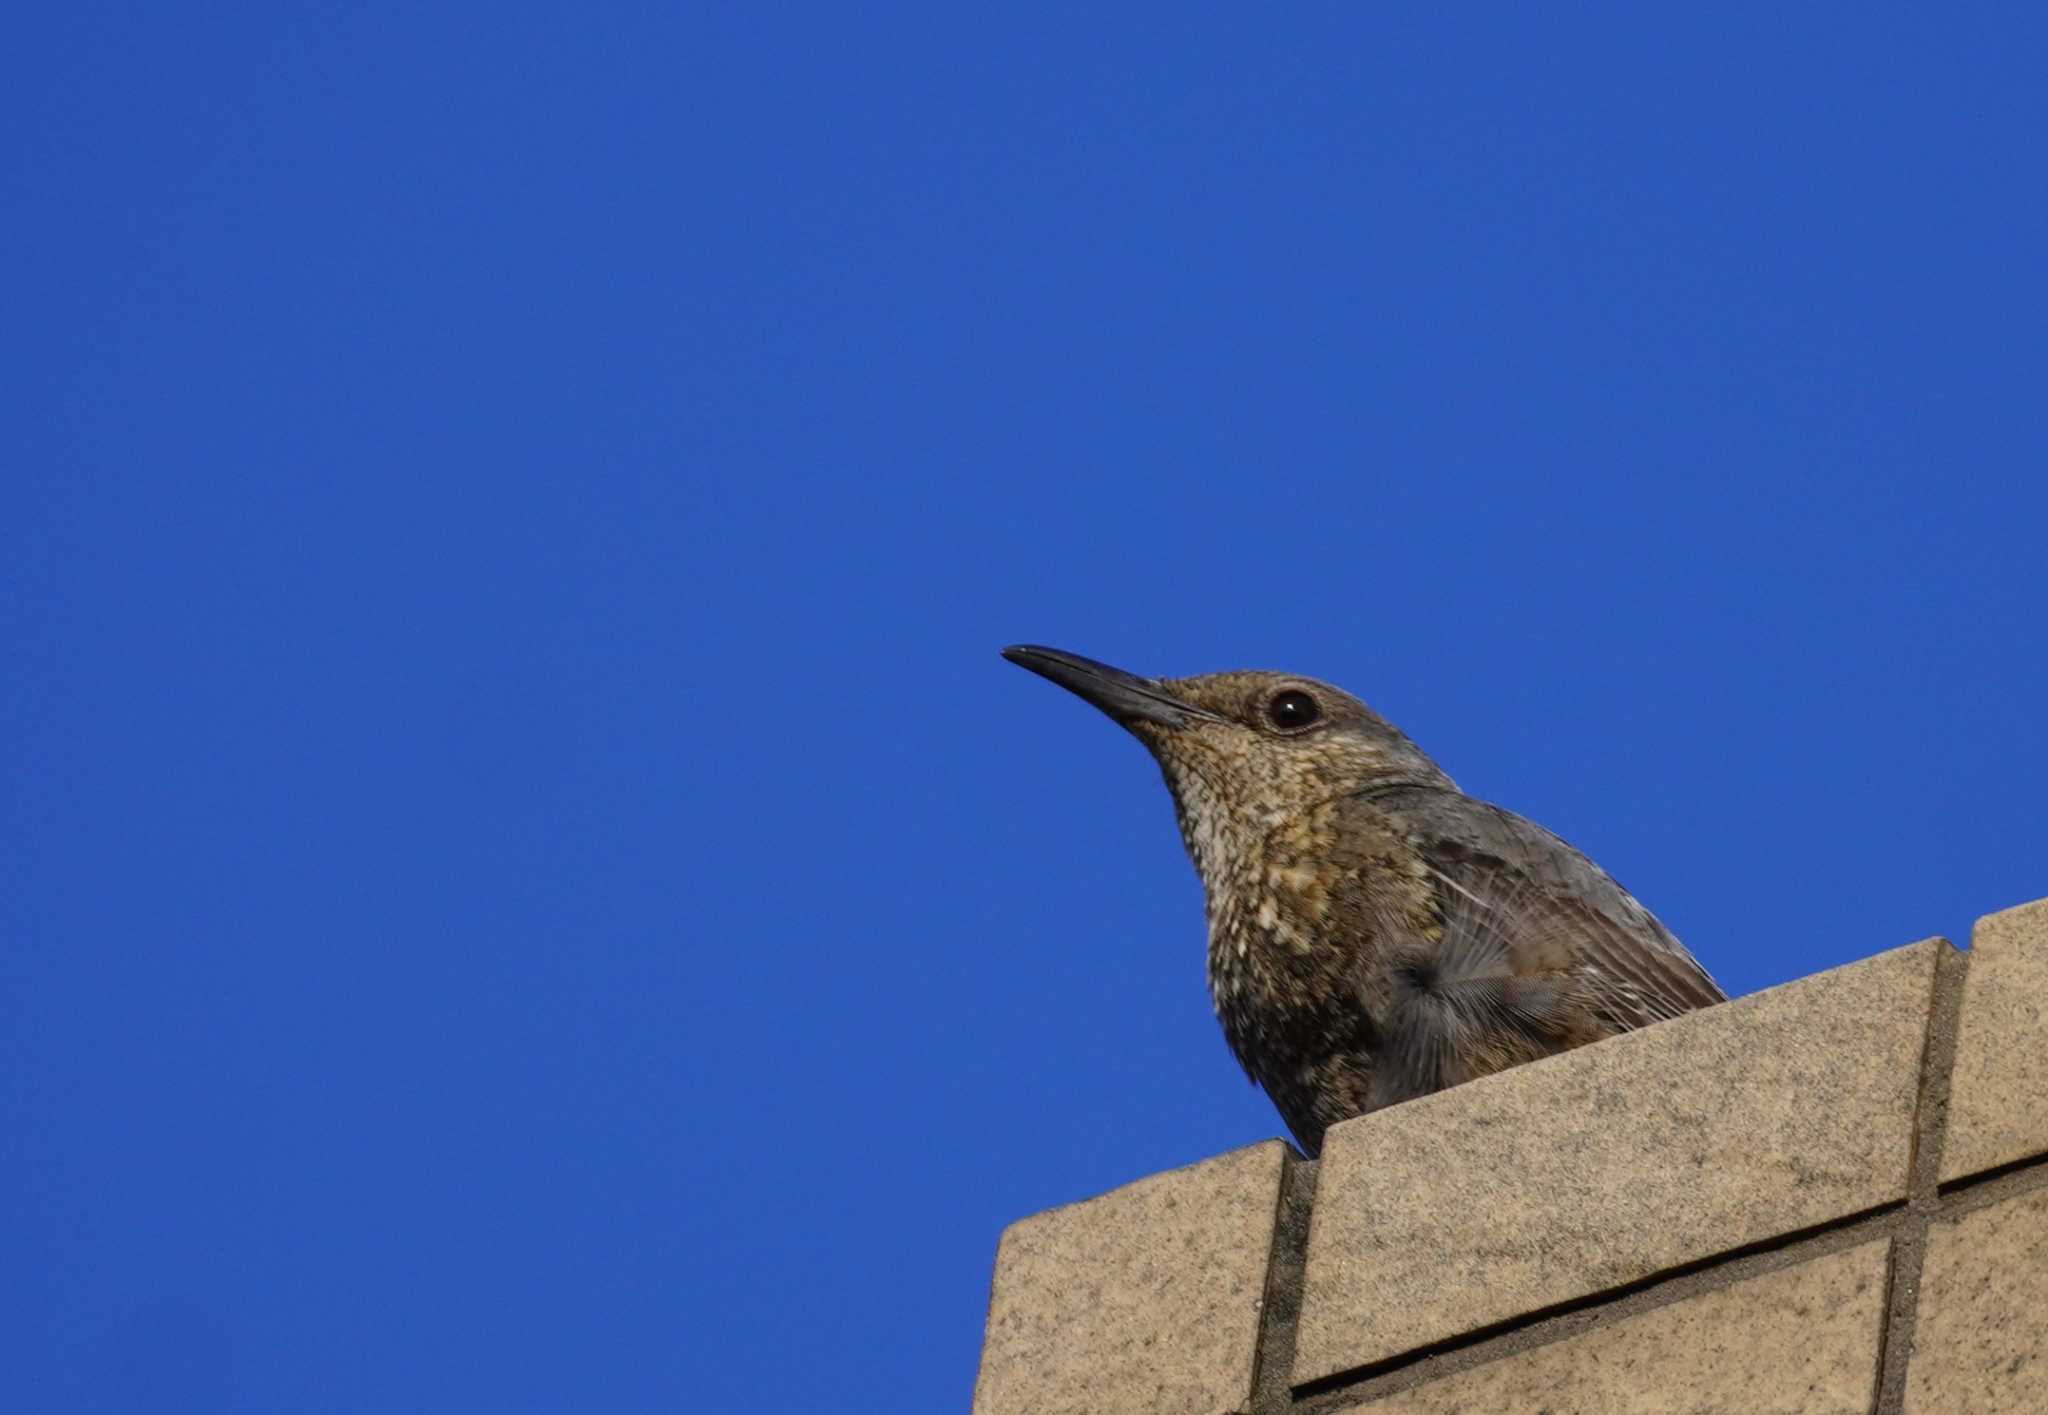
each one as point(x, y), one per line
point(1374, 933)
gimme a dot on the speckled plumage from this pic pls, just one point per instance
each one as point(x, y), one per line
point(1374, 933)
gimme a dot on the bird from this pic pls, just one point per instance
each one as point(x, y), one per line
point(1374, 934)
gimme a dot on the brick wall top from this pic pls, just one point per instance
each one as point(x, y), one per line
point(1831, 1195)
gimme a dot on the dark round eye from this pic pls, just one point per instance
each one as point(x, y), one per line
point(1292, 709)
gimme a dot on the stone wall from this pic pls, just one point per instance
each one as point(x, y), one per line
point(1829, 1196)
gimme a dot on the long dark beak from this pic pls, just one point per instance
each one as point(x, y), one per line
point(1124, 696)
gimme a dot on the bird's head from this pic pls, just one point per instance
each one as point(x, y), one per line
point(1243, 751)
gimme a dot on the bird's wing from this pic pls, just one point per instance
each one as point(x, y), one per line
point(1510, 877)
point(1539, 949)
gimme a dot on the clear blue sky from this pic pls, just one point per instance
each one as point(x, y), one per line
point(525, 884)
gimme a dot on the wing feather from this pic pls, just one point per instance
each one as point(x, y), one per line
point(1540, 949)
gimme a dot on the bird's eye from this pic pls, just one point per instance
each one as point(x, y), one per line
point(1292, 709)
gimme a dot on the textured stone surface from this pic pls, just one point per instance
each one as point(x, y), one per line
point(1606, 1165)
point(1146, 1299)
point(1981, 1342)
point(1998, 1096)
point(1801, 1339)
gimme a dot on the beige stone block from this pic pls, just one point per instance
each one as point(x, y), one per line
point(1146, 1299)
point(1998, 1093)
point(1803, 1339)
point(1980, 1343)
point(1613, 1163)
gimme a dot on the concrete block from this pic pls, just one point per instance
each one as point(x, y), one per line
point(1146, 1299)
point(1980, 1344)
point(1998, 1092)
point(1613, 1163)
point(1803, 1339)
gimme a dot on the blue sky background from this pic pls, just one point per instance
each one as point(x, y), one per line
point(525, 884)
